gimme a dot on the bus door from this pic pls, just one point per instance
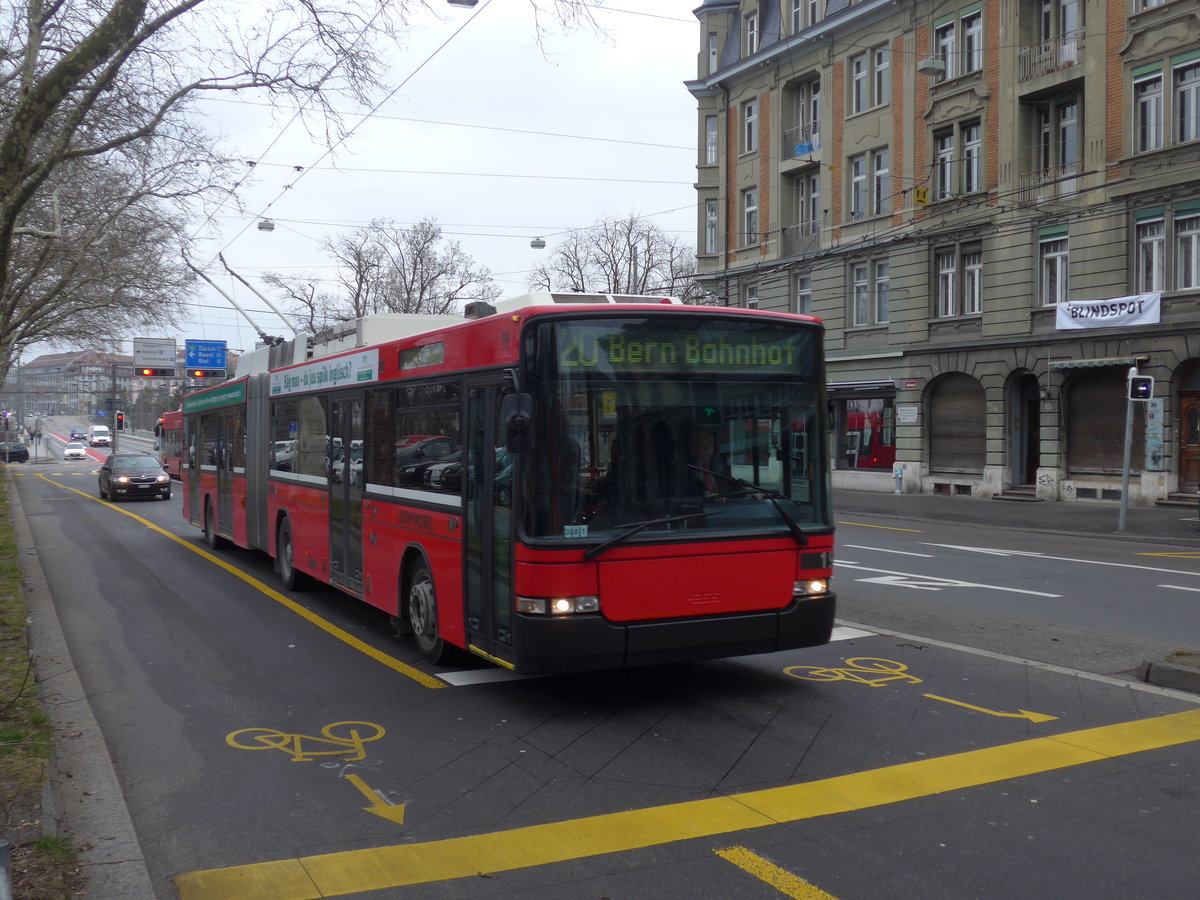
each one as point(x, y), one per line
point(224, 477)
point(487, 545)
point(345, 468)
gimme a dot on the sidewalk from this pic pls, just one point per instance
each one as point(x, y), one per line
point(1162, 524)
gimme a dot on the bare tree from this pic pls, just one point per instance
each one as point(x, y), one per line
point(95, 99)
point(621, 256)
point(386, 268)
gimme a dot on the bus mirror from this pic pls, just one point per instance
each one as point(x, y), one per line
point(517, 410)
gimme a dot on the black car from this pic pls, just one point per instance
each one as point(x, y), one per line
point(13, 451)
point(133, 475)
point(78, 434)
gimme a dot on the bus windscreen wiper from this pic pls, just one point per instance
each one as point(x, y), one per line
point(774, 496)
point(635, 527)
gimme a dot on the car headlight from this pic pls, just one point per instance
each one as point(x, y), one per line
point(161, 478)
point(123, 479)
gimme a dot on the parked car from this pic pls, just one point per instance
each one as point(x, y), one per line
point(75, 450)
point(410, 462)
point(133, 475)
point(77, 433)
point(13, 451)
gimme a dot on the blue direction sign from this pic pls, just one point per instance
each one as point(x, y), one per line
point(204, 354)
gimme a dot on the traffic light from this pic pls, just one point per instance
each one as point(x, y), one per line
point(156, 373)
point(120, 421)
point(1141, 387)
point(206, 373)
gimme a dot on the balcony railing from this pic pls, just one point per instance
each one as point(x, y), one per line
point(1050, 56)
point(1054, 183)
point(800, 239)
point(802, 142)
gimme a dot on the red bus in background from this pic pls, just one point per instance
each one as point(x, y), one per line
point(519, 484)
point(168, 434)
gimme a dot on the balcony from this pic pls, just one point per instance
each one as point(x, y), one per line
point(800, 239)
point(1049, 56)
point(802, 143)
point(1054, 183)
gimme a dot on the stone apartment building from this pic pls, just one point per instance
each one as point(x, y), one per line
point(994, 206)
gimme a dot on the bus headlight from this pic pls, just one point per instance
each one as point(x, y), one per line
point(811, 587)
point(558, 606)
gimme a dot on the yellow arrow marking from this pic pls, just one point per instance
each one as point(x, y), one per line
point(1019, 714)
point(393, 812)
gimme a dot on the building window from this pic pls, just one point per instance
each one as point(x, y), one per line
point(959, 281)
point(881, 185)
point(1147, 112)
point(1151, 255)
point(1187, 252)
point(958, 42)
point(750, 296)
point(710, 226)
point(802, 294)
point(749, 126)
point(751, 34)
point(870, 184)
point(870, 292)
point(866, 432)
point(1052, 267)
point(1165, 251)
point(749, 217)
point(973, 282)
point(883, 291)
point(881, 65)
point(958, 160)
point(870, 79)
point(808, 112)
point(1187, 102)
point(811, 203)
point(805, 13)
point(710, 140)
point(714, 47)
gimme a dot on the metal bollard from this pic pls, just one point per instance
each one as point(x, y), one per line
point(898, 476)
point(5, 870)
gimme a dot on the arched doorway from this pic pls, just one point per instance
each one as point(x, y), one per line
point(1024, 428)
point(1189, 429)
point(957, 425)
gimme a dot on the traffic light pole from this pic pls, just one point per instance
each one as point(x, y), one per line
point(112, 410)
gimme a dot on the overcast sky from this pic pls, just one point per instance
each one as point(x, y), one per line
point(497, 139)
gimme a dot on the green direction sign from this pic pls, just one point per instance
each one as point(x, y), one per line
point(223, 395)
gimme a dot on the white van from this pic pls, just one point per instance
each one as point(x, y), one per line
point(99, 436)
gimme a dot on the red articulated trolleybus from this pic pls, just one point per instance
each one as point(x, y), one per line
point(524, 484)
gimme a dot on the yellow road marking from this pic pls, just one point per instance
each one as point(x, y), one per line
point(380, 806)
point(883, 527)
point(781, 879)
point(1035, 717)
point(344, 636)
point(354, 871)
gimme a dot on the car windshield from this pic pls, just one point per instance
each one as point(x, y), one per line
point(137, 464)
point(74, 446)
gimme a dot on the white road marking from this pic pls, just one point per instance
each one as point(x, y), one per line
point(1087, 562)
point(1176, 587)
point(933, 583)
point(897, 552)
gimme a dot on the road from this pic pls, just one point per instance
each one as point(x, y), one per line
point(269, 742)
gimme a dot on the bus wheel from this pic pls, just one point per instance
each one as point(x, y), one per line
point(212, 540)
point(422, 615)
point(285, 559)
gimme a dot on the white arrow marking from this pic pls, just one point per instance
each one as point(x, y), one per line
point(897, 552)
point(1087, 562)
point(990, 551)
point(927, 582)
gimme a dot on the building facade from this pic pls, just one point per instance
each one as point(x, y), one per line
point(995, 209)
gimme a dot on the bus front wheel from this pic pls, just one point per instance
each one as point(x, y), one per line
point(212, 540)
point(285, 559)
point(422, 615)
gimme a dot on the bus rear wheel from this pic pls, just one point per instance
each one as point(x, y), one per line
point(422, 615)
point(285, 560)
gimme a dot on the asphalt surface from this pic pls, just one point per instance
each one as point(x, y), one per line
point(85, 799)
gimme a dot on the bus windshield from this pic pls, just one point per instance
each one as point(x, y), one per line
point(708, 426)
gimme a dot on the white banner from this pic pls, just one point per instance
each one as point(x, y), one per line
point(336, 371)
point(1137, 309)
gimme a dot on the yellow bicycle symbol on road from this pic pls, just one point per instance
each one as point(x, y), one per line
point(862, 669)
point(347, 737)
